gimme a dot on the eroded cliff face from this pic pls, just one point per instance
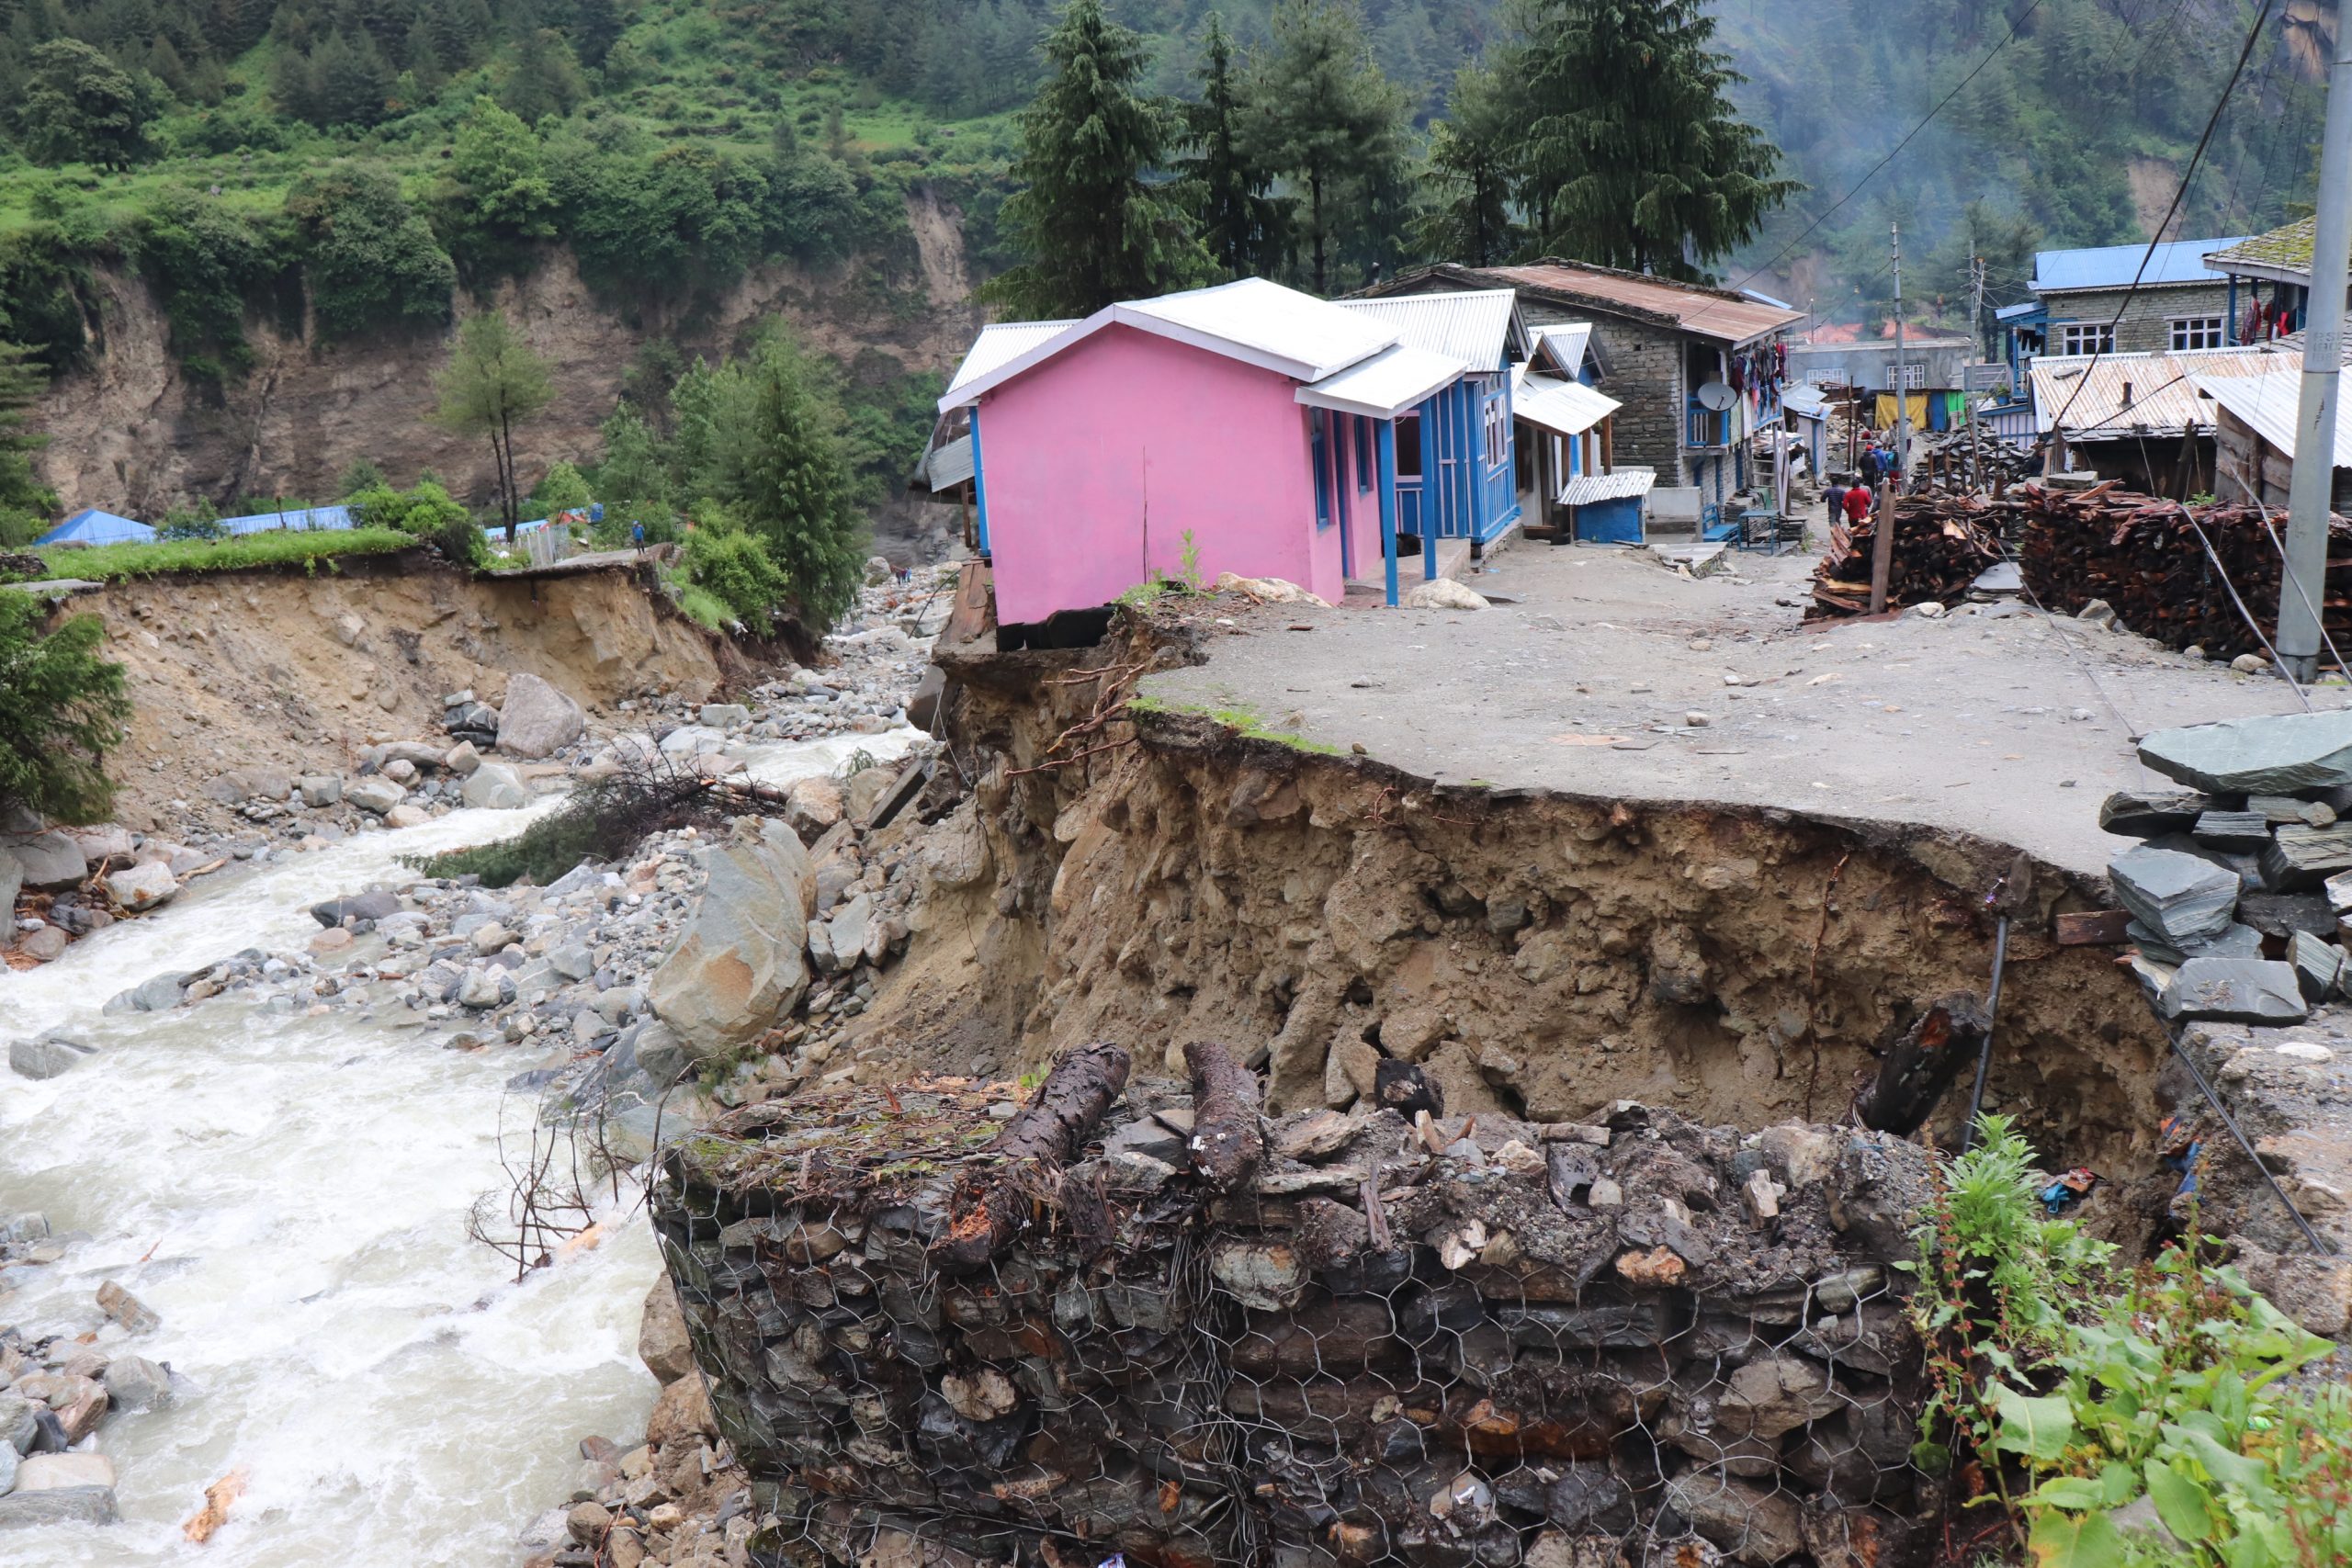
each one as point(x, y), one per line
point(130, 430)
point(298, 672)
point(1542, 955)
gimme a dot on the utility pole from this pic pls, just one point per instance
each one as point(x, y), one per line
point(1976, 346)
point(2303, 585)
point(1883, 546)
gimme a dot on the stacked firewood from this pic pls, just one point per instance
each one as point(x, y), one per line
point(1942, 544)
point(1183, 1336)
point(2141, 555)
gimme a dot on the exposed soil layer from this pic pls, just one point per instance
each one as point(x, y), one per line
point(1541, 954)
point(241, 669)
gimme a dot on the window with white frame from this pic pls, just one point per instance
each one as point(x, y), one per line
point(1914, 376)
point(1498, 430)
point(2197, 331)
point(2087, 337)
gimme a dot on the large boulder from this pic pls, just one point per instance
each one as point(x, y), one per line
point(742, 960)
point(376, 795)
point(2234, 990)
point(2271, 754)
point(253, 781)
point(48, 862)
point(494, 786)
point(538, 720)
point(812, 805)
point(142, 888)
point(662, 1342)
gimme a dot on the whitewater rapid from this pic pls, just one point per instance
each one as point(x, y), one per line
point(289, 1194)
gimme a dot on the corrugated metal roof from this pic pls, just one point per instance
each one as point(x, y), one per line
point(2112, 395)
point(2022, 308)
point(949, 465)
point(1806, 400)
point(1585, 488)
point(298, 519)
point(1000, 342)
point(1269, 319)
point(1386, 384)
point(1710, 312)
point(1473, 326)
point(1569, 408)
point(2114, 266)
point(1569, 342)
point(2271, 403)
point(1250, 319)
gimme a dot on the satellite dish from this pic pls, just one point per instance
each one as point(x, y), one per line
point(1717, 397)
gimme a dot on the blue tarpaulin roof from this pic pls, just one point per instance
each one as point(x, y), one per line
point(2114, 266)
point(294, 519)
point(92, 527)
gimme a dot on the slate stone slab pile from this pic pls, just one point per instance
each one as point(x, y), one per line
point(1442, 1341)
point(2240, 890)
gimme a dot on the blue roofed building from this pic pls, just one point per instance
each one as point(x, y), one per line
point(292, 520)
point(2086, 302)
point(92, 527)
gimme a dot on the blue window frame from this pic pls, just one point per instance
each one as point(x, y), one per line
point(1364, 453)
point(1318, 423)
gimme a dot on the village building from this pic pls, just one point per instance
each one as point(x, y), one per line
point(2271, 280)
point(1930, 371)
point(2122, 300)
point(2254, 434)
point(1246, 428)
point(1696, 371)
point(2139, 417)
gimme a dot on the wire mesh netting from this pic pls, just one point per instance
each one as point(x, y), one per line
point(1443, 1343)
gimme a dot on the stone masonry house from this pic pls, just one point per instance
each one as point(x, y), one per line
point(1660, 346)
point(2181, 303)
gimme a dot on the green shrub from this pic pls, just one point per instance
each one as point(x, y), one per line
point(2093, 1399)
point(736, 568)
point(309, 549)
point(705, 608)
point(602, 820)
point(205, 261)
point(369, 258)
point(66, 709)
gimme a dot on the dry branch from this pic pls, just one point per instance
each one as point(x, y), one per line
point(1227, 1141)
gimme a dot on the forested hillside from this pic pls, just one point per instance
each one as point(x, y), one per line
point(341, 171)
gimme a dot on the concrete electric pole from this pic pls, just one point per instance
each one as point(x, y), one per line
point(2303, 589)
point(1883, 546)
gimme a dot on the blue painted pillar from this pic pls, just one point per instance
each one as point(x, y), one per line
point(1385, 441)
point(979, 482)
point(1433, 482)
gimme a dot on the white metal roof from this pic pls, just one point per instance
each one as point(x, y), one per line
point(1568, 408)
point(1473, 326)
point(1569, 343)
point(1251, 319)
point(1584, 489)
point(1000, 342)
point(1385, 384)
point(1806, 400)
point(2112, 396)
point(2271, 403)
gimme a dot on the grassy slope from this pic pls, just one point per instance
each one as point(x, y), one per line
point(111, 563)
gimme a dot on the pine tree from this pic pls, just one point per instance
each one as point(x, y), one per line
point(66, 708)
point(1321, 113)
point(492, 380)
point(797, 488)
point(353, 80)
point(1095, 225)
point(596, 26)
point(1635, 156)
point(1240, 221)
point(1471, 169)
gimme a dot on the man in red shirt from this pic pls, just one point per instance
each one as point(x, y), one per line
point(1858, 504)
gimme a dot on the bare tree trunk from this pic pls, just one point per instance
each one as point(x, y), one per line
point(1315, 204)
point(1227, 1141)
point(987, 1210)
point(513, 510)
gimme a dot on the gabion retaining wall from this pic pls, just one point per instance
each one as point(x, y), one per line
point(1508, 1344)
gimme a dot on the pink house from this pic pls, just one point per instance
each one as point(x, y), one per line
point(1246, 428)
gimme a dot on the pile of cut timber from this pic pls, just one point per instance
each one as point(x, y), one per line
point(1325, 1340)
point(2141, 555)
point(1942, 544)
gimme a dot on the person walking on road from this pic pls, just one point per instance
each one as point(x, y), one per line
point(1858, 505)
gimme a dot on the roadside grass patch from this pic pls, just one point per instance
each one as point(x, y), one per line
point(111, 563)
